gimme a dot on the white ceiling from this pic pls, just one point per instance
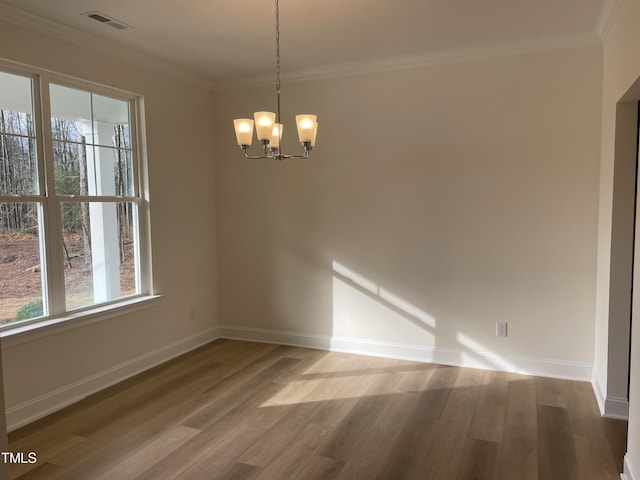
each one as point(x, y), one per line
point(224, 41)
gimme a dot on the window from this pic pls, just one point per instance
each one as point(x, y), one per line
point(72, 215)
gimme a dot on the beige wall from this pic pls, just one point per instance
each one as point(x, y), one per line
point(439, 201)
point(179, 141)
point(4, 443)
point(621, 72)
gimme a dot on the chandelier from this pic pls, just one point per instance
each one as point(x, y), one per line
point(268, 126)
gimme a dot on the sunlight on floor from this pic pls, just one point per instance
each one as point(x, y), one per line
point(351, 381)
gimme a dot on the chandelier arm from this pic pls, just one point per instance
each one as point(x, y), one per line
point(276, 155)
point(303, 156)
point(258, 157)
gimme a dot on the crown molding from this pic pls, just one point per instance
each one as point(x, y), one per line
point(111, 48)
point(606, 18)
point(457, 55)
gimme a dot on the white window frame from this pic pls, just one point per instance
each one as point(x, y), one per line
point(52, 261)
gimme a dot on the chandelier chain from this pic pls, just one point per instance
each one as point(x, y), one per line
point(278, 59)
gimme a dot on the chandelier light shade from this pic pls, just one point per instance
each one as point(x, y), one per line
point(267, 124)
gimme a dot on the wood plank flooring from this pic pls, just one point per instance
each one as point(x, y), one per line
point(241, 410)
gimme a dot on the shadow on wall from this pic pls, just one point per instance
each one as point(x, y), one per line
point(349, 285)
point(365, 310)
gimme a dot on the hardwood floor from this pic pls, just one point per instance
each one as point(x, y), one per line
point(240, 410)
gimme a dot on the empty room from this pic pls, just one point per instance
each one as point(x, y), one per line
point(304, 240)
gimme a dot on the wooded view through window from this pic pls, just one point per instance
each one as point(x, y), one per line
point(69, 199)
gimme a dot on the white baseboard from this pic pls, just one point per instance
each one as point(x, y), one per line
point(39, 407)
point(599, 392)
point(628, 475)
point(528, 366)
point(610, 407)
point(306, 340)
point(616, 408)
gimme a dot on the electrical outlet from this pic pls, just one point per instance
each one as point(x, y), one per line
point(501, 329)
point(192, 313)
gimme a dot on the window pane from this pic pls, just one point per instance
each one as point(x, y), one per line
point(124, 173)
point(111, 121)
point(18, 164)
point(21, 278)
point(100, 252)
point(15, 96)
point(82, 170)
point(115, 176)
point(92, 154)
point(70, 164)
point(70, 114)
point(18, 167)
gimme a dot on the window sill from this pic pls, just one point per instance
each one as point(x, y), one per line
point(20, 334)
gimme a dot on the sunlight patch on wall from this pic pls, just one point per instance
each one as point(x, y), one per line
point(356, 278)
point(362, 308)
point(479, 356)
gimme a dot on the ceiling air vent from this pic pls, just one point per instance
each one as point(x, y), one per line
point(102, 18)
